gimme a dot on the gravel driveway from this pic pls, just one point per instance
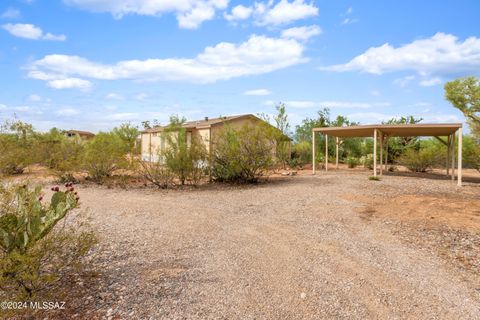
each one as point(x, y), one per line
point(295, 248)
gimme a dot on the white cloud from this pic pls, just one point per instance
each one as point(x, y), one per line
point(258, 55)
point(286, 12)
point(274, 14)
point(302, 33)
point(370, 117)
point(141, 96)
point(52, 37)
point(29, 31)
point(66, 112)
point(402, 82)
point(190, 13)
point(430, 82)
point(441, 118)
point(11, 13)
point(239, 13)
point(349, 11)
point(349, 21)
point(34, 98)
point(69, 83)
point(23, 109)
point(334, 104)
point(124, 116)
point(440, 54)
point(114, 96)
point(375, 93)
point(257, 92)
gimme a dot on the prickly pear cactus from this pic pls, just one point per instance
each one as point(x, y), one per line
point(24, 219)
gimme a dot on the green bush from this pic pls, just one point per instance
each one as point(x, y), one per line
point(352, 162)
point(156, 173)
point(471, 152)
point(128, 134)
point(244, 155)
point(17, 142)
point(302, 152)
point(62, 155)
point(36, 252)
point(367, 161)
point(418, 160)
point(103, 155)
point(187, 161)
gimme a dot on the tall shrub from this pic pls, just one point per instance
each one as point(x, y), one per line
point(418, 160)
point(243, 155)
point(186, 159)
point(17, 142)
point(103, 155)
point(62, 155)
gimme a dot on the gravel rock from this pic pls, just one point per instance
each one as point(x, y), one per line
point(294, 248)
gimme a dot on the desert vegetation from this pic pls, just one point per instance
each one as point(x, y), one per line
point(39, 253)
point(40, 250)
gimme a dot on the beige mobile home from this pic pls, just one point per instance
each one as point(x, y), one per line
point(153, 142)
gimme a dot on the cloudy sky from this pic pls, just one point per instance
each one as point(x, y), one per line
point(93, 64)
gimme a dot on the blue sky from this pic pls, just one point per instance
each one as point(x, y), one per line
point(93, 64)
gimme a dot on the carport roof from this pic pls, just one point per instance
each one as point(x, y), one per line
point(396, 130)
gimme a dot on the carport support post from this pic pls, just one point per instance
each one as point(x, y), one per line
point(386, 153)
point(449, 140)
point(459, 161)
point(336, 153)
point(313, 152)
point(375, 152)
point(326, 152)
point(381, 153)
point(452, 153)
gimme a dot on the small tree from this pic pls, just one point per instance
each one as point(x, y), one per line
point(398, 145)
point(186, 159)
point(243, 155)
point(128, 134)
point(103, 155)
point(464, 94)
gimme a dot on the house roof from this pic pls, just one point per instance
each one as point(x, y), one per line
point(397, 130)
point(80, 132)
point(205, 123)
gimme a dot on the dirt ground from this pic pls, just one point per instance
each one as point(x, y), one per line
point(334, 245)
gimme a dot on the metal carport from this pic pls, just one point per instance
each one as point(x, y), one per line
point(381, 132)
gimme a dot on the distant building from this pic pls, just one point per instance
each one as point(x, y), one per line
point(78, 134)
point(153, 142)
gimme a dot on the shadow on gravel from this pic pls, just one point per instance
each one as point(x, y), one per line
point(430, 175)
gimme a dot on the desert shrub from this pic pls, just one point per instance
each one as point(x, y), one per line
point(374, 178)
point(17, 141)
point(103, 155)
point(36, 252)
point(352, 162)
point(471, 152)
point(62, 155)
point(302, 152)
point(244, 155)
point(392, 168)
point(418, 160)
point(128, 135)
point(186, 160)
point(367, 161)
point(156, 173)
